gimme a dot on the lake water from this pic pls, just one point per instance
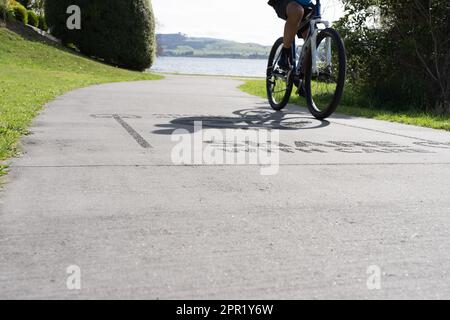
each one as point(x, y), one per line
point(211, 66)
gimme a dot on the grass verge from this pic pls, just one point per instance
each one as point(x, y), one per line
point(33, 71)
point(347, 106)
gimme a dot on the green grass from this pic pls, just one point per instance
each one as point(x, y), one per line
point(349, 106)
point(33, 72)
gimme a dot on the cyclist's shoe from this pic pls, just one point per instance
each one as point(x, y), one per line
point(285, 62)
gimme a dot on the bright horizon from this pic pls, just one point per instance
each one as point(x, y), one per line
point(242, 21)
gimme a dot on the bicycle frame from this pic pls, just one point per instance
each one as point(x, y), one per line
point(312, 38)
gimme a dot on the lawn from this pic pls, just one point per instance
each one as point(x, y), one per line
point(350, 107)
point(33, 72)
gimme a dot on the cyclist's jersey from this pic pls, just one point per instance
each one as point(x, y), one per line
point(280, 6)
point(304, 2)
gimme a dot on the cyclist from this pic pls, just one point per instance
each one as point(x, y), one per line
point(293, 11)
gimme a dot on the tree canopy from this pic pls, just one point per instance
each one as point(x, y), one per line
point(404, 58)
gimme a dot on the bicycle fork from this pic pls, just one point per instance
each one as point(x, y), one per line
point(312, 42)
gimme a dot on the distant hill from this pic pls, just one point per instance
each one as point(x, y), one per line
point(180, 45)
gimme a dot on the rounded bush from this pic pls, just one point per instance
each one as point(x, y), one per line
point(119, 32)
point(20, 12)
point(33, 19)
point(42, 23)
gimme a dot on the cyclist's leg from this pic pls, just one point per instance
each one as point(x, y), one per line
point(293, 16)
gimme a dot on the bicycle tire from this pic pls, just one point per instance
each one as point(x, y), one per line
point(342, 68)
point(277, 105)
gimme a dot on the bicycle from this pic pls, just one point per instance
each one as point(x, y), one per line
point(319, 70)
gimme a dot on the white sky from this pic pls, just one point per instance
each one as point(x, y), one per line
point(239, 20)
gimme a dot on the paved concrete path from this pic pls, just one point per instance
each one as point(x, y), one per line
point(96, 187)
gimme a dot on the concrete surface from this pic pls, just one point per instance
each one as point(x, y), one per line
point(96, 187)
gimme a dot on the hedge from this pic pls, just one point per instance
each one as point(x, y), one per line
point(119, 32)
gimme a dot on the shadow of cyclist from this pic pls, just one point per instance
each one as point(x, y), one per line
point(247, 119)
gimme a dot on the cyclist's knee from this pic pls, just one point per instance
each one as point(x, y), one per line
point(294, 11)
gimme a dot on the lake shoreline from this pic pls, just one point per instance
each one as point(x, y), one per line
point(205, 75)
point(246, 68)
point(216, 57)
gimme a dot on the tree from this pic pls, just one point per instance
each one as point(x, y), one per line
point(406, 59)
point(38, 6)
point(119, 32)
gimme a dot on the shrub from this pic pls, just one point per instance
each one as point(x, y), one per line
point(405, 61)
point(42, 23)
point(120, 32)
point(33, 19)
point(20, 12)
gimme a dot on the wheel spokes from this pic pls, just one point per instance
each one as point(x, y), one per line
point(324, 84)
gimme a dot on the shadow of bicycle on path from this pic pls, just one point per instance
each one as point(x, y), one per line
point(247, 119)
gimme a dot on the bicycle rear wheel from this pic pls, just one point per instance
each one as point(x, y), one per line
point(278, 84)
point(324, 89)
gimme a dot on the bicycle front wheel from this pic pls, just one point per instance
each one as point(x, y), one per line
point(278, 83)
point(325, 87)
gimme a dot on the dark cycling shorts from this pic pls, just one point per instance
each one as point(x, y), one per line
point(281, 7)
